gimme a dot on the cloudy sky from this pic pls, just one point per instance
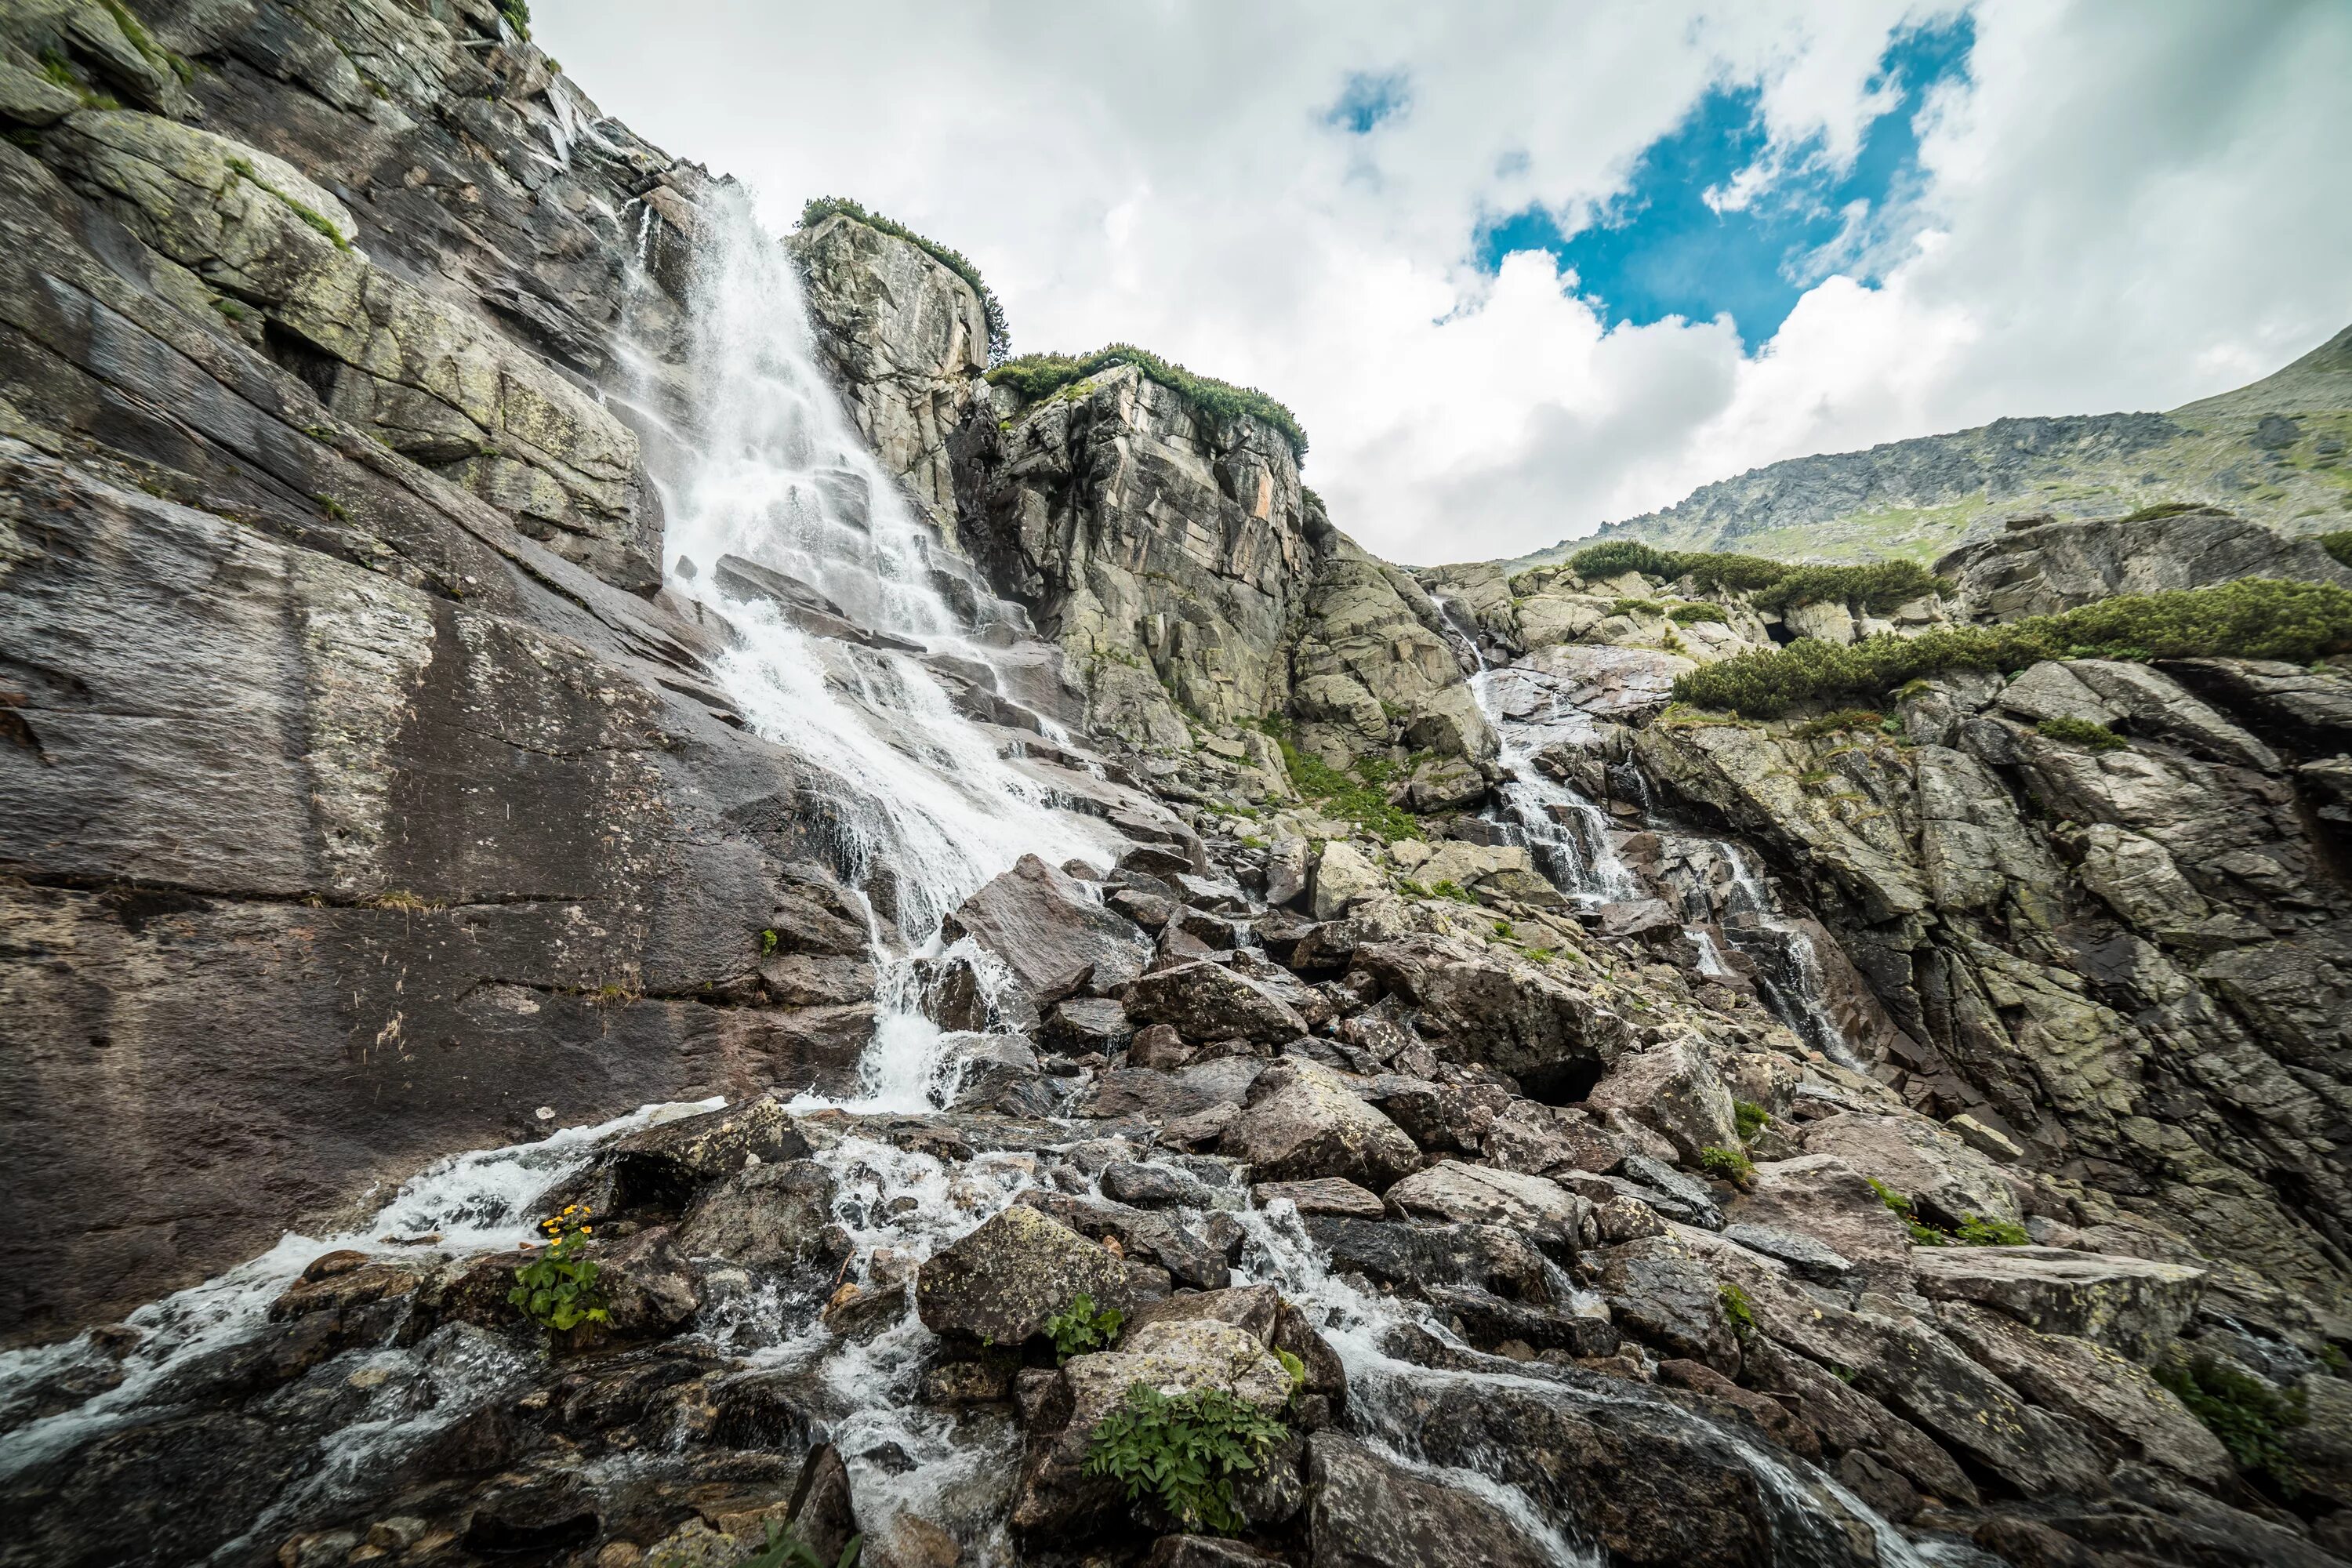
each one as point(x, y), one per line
point(1524, 270)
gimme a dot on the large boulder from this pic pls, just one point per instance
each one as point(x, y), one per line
point(1302, 1120)
point(1668, 1299)
point(1175, 1353)
point(1478, 1006)
point(1049, 934)
point(1457, 1193)
point(1366, 1513)
point(1944, 1178)
point(1001, 1281)
point(1206, 1001)
point(1343, 879)
point(2129, 1304)
point(1420, 1258)
point(1675, 1091)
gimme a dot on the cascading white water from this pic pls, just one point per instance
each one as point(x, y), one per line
point(774, 473)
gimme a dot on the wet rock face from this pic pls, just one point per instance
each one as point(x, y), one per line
point(1000, 1283)
point(1367, 1512)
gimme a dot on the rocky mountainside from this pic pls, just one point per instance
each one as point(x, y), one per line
point(2271, 451)
point(648, 923)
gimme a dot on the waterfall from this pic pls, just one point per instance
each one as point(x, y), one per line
point(831, 659)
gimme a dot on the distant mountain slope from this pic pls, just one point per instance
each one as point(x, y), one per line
point(2273, 451)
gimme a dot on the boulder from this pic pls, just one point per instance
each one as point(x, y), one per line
point(1419, 1257)
point(1302, 1120)
point(1343, 879)
point(999, 1283)
point(1668, 1299)
point(1083, 1024)
point(1142, 1237)
point(1673, 1089)
point(2129, 1304)
point(1457, 1193)
point(1329, 1195)
point(1285, 871)
point(1806, 1257)
point(1822, 1197)
point(764, 1216)
point(1501, 1012)
point(1206, 1001)
point(1048, 932)
point(1945, 1179)
point(665, 1165)
point(1366, 1513)
point(1056, 1499)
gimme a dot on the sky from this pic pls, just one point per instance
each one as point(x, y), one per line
point(1523, 269)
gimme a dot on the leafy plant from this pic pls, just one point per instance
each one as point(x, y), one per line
point(1358, 796)
point(1739, 1310)
point(1637, 607)
point(1750, 1118)
point(1975, 1232)
point(1450, 888)
point(559, 1287)
point(518, 15)
point(1732, 1165)
point(1296, 1370)
point(2080, 733)
point(1041, 375)
point(2247, 1413)
point(1079, 1328)
point(785, 1550)
point(1183, 1451)
point(1695, 615)
point(1921, 1234)
point(1506, 930)
point(1000, 337)
point(2253, 617)
point(768, 940)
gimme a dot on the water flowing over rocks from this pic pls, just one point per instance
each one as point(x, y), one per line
point(527, 700)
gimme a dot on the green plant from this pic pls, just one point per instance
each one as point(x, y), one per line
point(785, 1550)
point(1450, 888)
point(2338, 544)
point(2335, 1361)
point(1543, 954)
point(1356, 797)
point(559, 1287)
point(1975, 1232)
point(1078, 1328)
point(1695, 615)
point(1182, 1452)
point(1739, 1310)
point(2080, 733)
point(518, 15)
point(232, 310)
point(1294, 1368)
point(1750, 1118)
point(1041, 375)
point(1778, 586)
point(1635, 608)
point(2254, 617)
point(2247, 1413)
point(1921, 1234)
point(1506, 930)
point(1000, 336)
point(1732, 1165)
point(768, 940)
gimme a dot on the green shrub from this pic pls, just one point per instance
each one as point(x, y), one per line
point(2247, 1413)
point(1975, 1232)
point(1694, 615)
point(1183, 1451)
point(1732, 1165)
point(1000, 336)
point(2252, 618)
point(2338, 544)
point(2080, 733)
point(1637, 607)
point(559, 1287)
point(1040, 375)
point(1778, 586)
point(518, 15)
point(1751, 1119)
point(1077, 1328)
point(1450, 888)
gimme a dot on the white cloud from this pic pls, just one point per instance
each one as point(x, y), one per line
point(2134, 204)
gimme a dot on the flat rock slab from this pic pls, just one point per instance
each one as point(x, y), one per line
point(1051, 935)
point(2129, 1304)
point(1366, 1511)
point(1208, 1001)
point(1480, 1195)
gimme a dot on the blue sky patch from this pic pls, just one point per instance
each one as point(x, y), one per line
point(1366, 99)
point(1678, 241)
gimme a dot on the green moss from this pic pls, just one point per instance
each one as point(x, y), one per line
point(1921, 1234)
point(1041, 375)
point(2246, 1414)
point(1732, 1165)
point(1739, 1309)
point(2080, 733)
point(2252, 618)
point(2338, 544)
point(1975, 1232)
point(1000, 336)
point(1450, 888)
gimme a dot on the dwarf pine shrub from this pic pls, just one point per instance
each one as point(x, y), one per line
point(1778, 586)
point(1000, 336)
point(1041, 375)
